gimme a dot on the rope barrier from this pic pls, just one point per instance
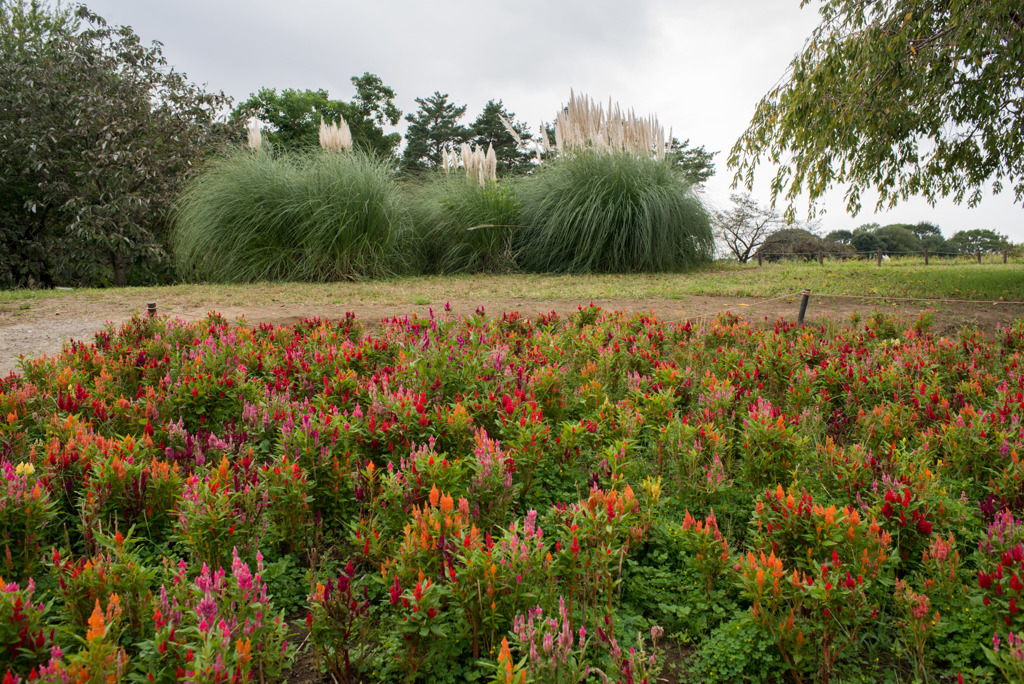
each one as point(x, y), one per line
point(847, 255)
point(700, 317)
point(924, 299)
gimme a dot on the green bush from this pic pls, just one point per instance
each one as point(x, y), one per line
point(599, 212)
point(461, 226)
point(306, 216)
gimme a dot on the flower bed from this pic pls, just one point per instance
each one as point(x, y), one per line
point(512, 500)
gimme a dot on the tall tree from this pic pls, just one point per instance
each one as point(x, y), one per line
point(984, 239)
point(98, 134)
point(906, 97)
point(925, 229)
point(25, 251)
point(434, 125)
point(371, 109)
point(746, 226)
point(488, 129)
point(840, 237)
point(294, 115)
point(898, 238)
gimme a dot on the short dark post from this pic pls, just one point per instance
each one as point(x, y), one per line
point(759, 259)
point(803, 306)
point(978, 254)
point(1004, 256)
point(151, 309)
point(879, 257)
point(925, 256)
point(821, 259)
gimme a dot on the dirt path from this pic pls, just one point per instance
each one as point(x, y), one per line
point(47, 324)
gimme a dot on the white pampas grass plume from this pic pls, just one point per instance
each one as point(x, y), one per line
point(255, 135)
point(492, 163)
point(511, 131)
point(584, 124)
point(480, 166)
point(336, 137)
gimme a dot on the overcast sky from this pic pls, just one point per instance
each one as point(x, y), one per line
point(700, 65)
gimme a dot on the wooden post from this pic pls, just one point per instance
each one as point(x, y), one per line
point(879, 257)
point(803, 306)
point(821, 259)
point(759, 259)
point(1004, 256)
point(151, 309)
point(978, 254)
point(925, 256)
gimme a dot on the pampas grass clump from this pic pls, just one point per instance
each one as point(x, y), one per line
point(611, 212)
point(319, 216)
point(461, 225)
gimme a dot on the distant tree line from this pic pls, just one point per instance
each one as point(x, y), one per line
point(748, 230)
point(904, 238)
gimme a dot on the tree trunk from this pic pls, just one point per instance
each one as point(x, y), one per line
point(120, 270)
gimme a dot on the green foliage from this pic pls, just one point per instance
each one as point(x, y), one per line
point(924, 230)
point(798, 243)
point(864, 241)
point(315, 216)
point(461, 226)
point(594, 212)
point(434, 125)
point(904, 238)
point(898, 239)
point(99, 135)
point(295, 115)
point(666, 580)
point(907, 98)
point(841, 237)
point(738, 651)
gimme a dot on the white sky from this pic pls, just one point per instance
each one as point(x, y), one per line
point(700, 65)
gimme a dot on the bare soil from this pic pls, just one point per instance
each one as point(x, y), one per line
point(45, 325)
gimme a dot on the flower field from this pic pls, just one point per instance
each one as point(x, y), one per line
point(594, 497)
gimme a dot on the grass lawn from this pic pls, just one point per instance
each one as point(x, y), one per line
point(962, 279)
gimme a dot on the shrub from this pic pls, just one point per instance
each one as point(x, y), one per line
point(604, 212)
point(798, 243)
point(259, 216)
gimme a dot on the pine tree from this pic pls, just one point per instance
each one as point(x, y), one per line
point(434, 125)
point(488, 129)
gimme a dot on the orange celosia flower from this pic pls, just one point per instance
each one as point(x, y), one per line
point(243, 649)
point(96, 625)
